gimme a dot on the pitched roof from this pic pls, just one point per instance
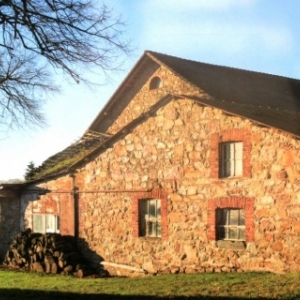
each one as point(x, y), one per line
point(61, 161)
point(9, 190)
point(268, 99)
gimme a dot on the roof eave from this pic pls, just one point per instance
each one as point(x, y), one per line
point(120, 90)
point(206, 103)
point(126, 129)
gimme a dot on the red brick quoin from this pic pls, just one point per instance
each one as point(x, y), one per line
point(154, 194)
point(230, 135)
point(231, 202)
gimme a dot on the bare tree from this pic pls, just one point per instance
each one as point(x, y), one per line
point(22, 90)
point(39, 36)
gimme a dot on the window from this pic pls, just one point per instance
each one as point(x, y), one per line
point(150, 214)
point(231, 159)
point(150, 217)
point(236, 160)
point(231, 212)
point(45, 223)
point(230, 224)
point(155, 83)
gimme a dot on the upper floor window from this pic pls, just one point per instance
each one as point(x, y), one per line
point(45, 223)
point(231, 159)
point(230, 153)
point(150, 217)
point(155, 83)
point(230, 224)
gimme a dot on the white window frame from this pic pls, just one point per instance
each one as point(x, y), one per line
point(231, 159)
point(231, 224)
point(45, 223)
point(150, 217)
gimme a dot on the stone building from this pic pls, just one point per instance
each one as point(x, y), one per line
point(189, 167)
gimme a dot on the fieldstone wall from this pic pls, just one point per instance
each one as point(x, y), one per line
point(172, 151)
point(9, 221)
point(145, 98)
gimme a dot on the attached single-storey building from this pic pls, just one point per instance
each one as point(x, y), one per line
point(190, 167)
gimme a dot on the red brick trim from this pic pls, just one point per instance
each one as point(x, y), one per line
point(231, 202)
point(237, 135)
point(157, 194)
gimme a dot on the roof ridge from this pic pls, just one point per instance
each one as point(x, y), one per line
point(154, 53)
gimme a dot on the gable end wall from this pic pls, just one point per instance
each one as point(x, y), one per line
point(173, 151)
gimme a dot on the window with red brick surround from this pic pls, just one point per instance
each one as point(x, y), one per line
point(234, 135)
point(154, 194)
point(231, 202)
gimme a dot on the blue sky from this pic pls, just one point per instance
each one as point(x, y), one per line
point(258, 35)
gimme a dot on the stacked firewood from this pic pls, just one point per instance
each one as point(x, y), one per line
point(49, 253)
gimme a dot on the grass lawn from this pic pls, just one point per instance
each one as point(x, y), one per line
point(21, 285)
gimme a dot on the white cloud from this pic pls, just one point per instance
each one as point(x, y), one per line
point(217, 36)
point(211, 5)
point(177, 26)
point(226, 4)
point(236, 37)
point(275, 38)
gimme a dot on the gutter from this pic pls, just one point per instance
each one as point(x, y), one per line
point(75, 191)
point(75, 208)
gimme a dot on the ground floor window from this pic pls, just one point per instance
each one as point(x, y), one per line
point(231, 219)
point(230, 224)
point(45, 223)
point(150, 217)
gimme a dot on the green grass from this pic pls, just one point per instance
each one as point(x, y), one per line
point(21, 285)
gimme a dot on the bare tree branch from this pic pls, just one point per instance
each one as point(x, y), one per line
point(70, 35)
point(22, 86)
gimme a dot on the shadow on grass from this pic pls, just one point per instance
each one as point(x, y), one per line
point(13, 294)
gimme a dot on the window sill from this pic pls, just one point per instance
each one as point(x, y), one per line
point(232, 177)
point(235, 245)
point(150, 238)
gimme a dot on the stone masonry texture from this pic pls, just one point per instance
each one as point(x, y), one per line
point(9, 222)
point(173, 152)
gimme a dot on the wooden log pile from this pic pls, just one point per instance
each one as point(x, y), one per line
point(49, 253)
